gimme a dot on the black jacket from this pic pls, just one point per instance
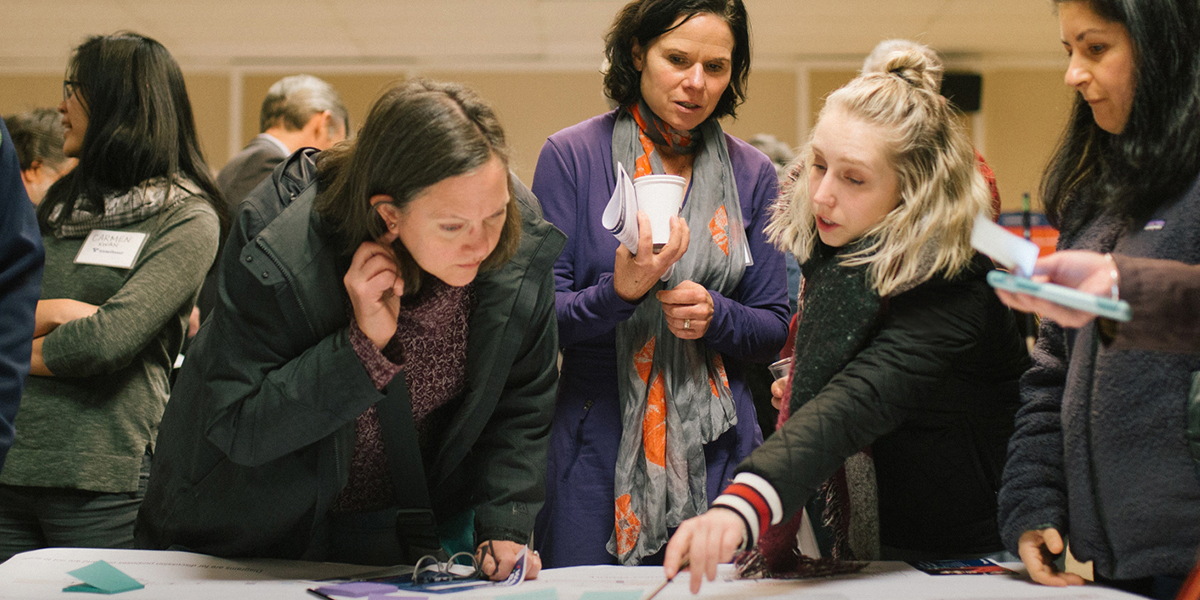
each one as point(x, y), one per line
point(933, 392)
point(258, 435)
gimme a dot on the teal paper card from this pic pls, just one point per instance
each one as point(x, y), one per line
point(102, 578)
point(550, 594)
point(623, 595)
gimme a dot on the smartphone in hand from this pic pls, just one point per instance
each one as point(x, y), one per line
point(1117, 310)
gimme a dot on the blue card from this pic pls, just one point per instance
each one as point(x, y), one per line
point(614, 595)
point(102, 578)
point(550, 594)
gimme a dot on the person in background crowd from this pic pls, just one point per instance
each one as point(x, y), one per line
point(781, 154)
point(1164, 296)
point(378, 379)
point(38, 137)
point(1105, 447)
point(901, 346)
point(875, 62)
point(300, 111)
point(758, 375)
point(653, 412)
point(129, 234)
point(21, 259)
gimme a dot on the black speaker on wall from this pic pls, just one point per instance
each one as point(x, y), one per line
point(964, 90)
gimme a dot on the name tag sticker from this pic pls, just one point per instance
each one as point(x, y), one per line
point(111, 248)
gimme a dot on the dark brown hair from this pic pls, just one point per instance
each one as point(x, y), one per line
point(140, 126)
point(1157, 155)
point(417, 134)
point(642, 21)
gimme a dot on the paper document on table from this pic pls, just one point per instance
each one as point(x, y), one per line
point(1012, 251)
point(620, 215)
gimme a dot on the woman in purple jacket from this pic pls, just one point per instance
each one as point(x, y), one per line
point(653, 412)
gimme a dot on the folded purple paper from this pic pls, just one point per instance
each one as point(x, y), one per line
point(357, 589)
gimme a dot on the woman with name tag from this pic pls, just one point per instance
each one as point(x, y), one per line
point(653, 411)
point(902, 345)
point(376, 384)
point(129, 234)
point(1107, 446)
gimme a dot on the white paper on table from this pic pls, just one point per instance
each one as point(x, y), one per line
point(620, 215)
point(1012, 251)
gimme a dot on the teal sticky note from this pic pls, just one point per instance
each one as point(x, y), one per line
point(550, 594)
point(102, 578)
point(622, 595)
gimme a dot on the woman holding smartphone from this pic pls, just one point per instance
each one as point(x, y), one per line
point(1103, 450)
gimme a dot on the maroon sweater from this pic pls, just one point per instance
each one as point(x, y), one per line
point(430, 346)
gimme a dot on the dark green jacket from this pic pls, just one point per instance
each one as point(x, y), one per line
point(258, 435)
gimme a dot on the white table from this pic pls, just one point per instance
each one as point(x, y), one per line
point(184, 576)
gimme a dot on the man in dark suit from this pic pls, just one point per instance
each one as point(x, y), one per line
point(300, 111)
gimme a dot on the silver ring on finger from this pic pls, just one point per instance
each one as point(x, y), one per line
point(687, 323)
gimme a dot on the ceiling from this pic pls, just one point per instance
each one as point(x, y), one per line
point(225, 34)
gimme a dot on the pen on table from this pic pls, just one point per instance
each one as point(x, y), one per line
point(664, 583)
point(1027, 227)
point(319, 594)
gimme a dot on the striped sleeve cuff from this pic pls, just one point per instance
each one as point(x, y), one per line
point(755, 500)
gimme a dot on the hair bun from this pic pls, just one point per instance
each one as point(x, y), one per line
point(914, 68)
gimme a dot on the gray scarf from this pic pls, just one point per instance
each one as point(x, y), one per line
point(143, 200)
point(674, 394)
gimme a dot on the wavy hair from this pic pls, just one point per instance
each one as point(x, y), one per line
point(417, 134)
point(1157, 155)
point(642, 21)
point(140, 126)
point(940, 187)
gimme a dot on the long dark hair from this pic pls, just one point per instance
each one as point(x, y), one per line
point(140, 126)
point(417, 134)
point(1157, 155)
point(644, 20)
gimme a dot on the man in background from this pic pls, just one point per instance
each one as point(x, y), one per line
point(300, 111)
point(38, 138)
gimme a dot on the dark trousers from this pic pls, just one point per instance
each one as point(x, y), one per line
point(41, 517)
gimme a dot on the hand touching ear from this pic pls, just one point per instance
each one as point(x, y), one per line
point(375, 287)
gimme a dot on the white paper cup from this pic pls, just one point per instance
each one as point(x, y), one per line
point(660, 197)
point(781, 368)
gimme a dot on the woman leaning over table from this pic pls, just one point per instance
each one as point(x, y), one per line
point(653, 412)
point(106, 336)
point(377, 381)
point(1105, 449)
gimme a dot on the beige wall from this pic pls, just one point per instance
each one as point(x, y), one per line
point(210, 106)
point(1023, 109)
point(534, 105)
point(1024, 112)
point(19, 93)
point(770, 107)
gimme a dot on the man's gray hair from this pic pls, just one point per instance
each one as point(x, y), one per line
point(878, 58)
point(293, 100)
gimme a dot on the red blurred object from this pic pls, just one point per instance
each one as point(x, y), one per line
point(1042, 234)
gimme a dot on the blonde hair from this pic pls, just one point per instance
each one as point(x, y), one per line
point(940, 187)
